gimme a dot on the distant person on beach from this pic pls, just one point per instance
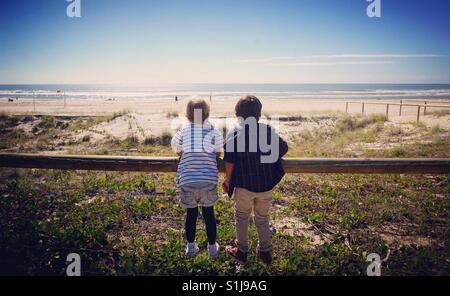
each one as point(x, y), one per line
point(176, 99)
point(198, 144)
point(250, 177)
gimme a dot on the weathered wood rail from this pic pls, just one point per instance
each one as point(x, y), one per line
point(169, 164)
point(433, 101)
point(401, 105)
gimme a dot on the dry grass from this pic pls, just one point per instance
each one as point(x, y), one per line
point(440, 113)
point(172, 114)
point(162, 140)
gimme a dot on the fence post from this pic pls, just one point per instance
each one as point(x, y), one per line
point(346, 107)
point(400, 111)
point(387, 110)
point(425, 109)
point(418, 114)
point(362, 110)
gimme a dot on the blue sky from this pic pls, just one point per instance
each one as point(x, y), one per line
point(233, 41)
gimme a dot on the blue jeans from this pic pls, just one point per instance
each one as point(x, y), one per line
point(202, 194)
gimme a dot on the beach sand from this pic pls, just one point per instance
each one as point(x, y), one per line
point(151, 117)
point(95, 107)
point(219, 107)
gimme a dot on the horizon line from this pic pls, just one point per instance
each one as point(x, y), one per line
point(222, 83)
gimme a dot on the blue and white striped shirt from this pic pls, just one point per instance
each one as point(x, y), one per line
point(199, 145)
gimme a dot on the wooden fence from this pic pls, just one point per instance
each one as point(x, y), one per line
point(169, 164)
point(425, 105)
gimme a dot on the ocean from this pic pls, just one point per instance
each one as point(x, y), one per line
point(225, 91)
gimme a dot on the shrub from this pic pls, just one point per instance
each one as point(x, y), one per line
point(172, 114)
point(349, 123)
point(436, 129)
point(117, 115)
point(162, 140)
point(440, 113)
point(132, 139)
point(395, 131)
point(47, 122)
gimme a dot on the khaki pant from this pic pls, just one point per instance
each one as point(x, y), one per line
point(260, 202)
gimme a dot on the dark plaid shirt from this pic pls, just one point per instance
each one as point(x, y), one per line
point(249, 172)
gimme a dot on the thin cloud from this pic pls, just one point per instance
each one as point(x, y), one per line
point(399, 56)
point(267, 60)
point(329, 63)
point(343, 56)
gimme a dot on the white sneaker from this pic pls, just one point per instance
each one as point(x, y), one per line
point(191, 249)
point(213, 251)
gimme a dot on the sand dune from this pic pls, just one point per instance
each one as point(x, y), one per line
point(155, 110)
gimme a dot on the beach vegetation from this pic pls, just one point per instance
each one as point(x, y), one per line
point(172, 114)
point(440, 112)
point(161, 140)
point(132, 224)
point(115, 115)
point(352, 123)
point(86, 138)
point(436, 129)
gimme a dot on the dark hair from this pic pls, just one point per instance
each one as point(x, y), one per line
point(248, 106)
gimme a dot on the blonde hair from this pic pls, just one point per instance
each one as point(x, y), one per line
point(196, 104)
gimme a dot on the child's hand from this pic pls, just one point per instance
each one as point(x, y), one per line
point(225, 186)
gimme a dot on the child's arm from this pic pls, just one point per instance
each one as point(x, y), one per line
point(283, 147)
point(229, 160)
point(229, 167)
point(176, 143)
point(218, 140)
point(282, 144)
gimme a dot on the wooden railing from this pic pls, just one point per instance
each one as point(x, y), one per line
point(425, 105)
point(427, 101)
point(169, 164)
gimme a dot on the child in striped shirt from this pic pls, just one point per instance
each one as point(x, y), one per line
point(198, 144)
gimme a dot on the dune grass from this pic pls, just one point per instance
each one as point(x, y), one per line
point(162, 140)
point(330, 141)
point(371, 136)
